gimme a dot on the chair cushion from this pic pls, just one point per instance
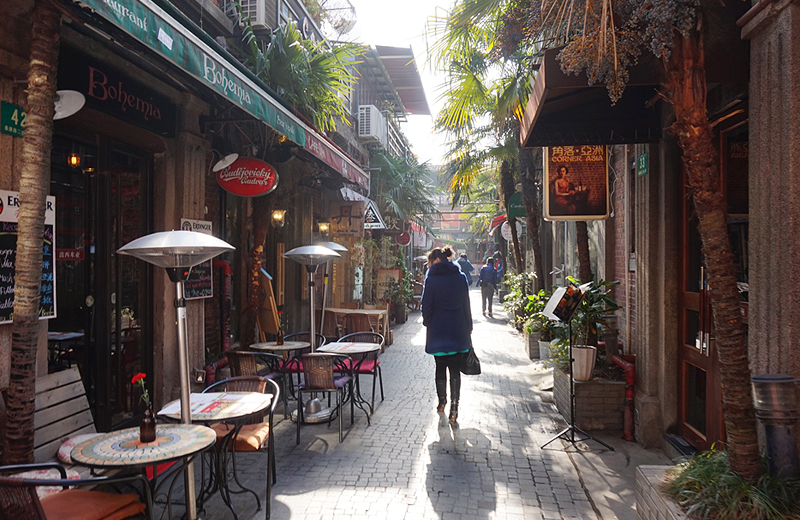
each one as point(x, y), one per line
point(293, 368)
point(340, 382)
point(47, 474)
point(366, 367)
point(79, 504)
point(65, 451)
point(251, 437)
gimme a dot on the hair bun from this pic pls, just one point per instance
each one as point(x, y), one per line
point(448, 252)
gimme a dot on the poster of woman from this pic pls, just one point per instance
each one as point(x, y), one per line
point(577, 182)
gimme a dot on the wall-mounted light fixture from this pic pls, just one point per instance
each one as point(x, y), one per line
point(324, 227)
point(74, 160)
point(278, 218)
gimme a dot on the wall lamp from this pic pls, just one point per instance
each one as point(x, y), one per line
point(278, 218)
point(324, 227)
point(74, 160)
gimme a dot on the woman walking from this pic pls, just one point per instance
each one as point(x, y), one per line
point(487, 280)
point(447, 315)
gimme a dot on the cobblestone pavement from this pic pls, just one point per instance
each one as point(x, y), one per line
point(410, 463)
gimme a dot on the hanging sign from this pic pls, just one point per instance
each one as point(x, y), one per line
point(9, 215)
point(200, 283)
point(576, 178)
point(248, 177)
point(403, 239)
point(516, 206)
point(372, 217)
point(505, 230)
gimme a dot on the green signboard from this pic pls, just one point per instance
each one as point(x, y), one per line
point(12, 119)
point(516, 208)
point(641, 165)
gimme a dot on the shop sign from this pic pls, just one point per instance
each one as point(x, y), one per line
point(200, 283)
point(115, 93)
point(9, 216)
point(248, 177)
point(12, 119)
point(403, 239)
point(576, 183)
point(346, 218)
point(372, 217)
point(70, 255)
point(505, 230)
point(516, 207)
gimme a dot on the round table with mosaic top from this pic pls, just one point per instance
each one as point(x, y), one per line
point(122, 448)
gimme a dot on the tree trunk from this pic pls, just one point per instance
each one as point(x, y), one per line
point(687, 83)
point(260, 221)
point(533, 209)
point(507, 187)
point(584, 262)
point(36, 143)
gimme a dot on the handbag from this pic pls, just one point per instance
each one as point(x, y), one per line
point(470, 364)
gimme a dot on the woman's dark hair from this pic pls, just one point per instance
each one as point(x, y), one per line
point(441, 253)
point(490, 261)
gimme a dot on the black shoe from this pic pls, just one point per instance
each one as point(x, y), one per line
point(490, 315)
point(454, 411)
point(442, 402)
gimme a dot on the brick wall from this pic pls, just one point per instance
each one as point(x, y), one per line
point(599, 405)
point(651, 503)
point(620, 185)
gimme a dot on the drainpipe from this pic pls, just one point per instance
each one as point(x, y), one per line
point(630, 381)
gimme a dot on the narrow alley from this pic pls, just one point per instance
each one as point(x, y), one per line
point(411, 464)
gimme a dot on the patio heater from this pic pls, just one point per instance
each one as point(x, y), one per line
point(178, 252)
point(333, 246)
point(312, 257)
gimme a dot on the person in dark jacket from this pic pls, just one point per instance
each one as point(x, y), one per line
point(447, 316)
point(466, 267)
point(487, 280)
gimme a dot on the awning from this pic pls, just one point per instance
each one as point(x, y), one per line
point(496, 222)
point(159, 31)
point(564, 110)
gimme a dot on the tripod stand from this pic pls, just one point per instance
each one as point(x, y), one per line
point(568, 433)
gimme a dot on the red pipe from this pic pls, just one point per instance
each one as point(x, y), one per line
point(630, 382)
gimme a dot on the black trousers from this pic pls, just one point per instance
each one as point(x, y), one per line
point(451, 363)
point(487, 295)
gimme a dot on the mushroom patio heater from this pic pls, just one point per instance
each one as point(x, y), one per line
point(178, 252)
point(333, 246)
point(312, 257)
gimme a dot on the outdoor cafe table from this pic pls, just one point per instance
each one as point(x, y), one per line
point(349, 349)
point(381, 315)
point(215, 407)
point(122, 449)
point(284, 349)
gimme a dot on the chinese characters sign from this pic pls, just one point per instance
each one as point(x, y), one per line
point(577, 183)
point(9, 214)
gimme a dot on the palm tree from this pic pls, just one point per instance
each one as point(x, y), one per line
point(604, 38)
point(36, 142)
point(399, 187)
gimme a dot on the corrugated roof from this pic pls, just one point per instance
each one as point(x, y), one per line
point(404, 83)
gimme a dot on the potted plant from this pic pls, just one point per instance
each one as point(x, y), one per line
point(516, 301)
point(538, 324)
point(595, 306)
point(400, 293)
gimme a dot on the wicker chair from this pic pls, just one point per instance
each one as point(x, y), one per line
point(330, 326)
point(357, 322)
point(264, 364)
point(256, 435)
point(19, 500)
point(318, 377)
point(366, 363)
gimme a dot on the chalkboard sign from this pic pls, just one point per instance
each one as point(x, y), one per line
point(9, 214)
point(200, 283)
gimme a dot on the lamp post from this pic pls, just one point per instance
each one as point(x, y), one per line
point(178, 252)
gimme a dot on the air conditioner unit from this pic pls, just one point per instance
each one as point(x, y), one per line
point(372, 126)
point(256, 10)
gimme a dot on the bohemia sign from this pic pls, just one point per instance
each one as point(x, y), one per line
point(248, 177)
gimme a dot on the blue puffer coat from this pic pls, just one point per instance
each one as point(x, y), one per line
point(445, 309)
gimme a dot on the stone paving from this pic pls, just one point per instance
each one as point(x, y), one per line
point(410, 463)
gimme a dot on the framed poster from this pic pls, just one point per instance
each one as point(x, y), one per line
point(9, 215)
point(200, 283)
point(577, 182)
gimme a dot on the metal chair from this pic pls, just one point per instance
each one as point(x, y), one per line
point(357, 322)
point(264, 364)
point(255, 435)
point(306, 336)
point(20, 501)
point(318, 377)
point(366, 363)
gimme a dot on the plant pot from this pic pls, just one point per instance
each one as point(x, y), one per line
point(584, 357)
point(531, 344)
point(399, 313)
point(544, 350)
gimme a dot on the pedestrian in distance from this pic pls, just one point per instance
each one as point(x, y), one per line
point(487, 281)
point(447, 316)
point(499, 266)
point(466, 267)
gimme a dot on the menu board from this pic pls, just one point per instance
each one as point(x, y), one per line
point(9, 215)
point(200, 283)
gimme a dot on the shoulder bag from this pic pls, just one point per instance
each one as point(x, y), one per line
point(470, 364)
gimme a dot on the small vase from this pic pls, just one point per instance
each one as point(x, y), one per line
point(279, 337)
point(147, 428)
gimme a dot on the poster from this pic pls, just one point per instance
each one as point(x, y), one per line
point(577, 183)
point(201, 280)
point(9, 214)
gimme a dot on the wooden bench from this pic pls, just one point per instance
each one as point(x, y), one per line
point(62, 411)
